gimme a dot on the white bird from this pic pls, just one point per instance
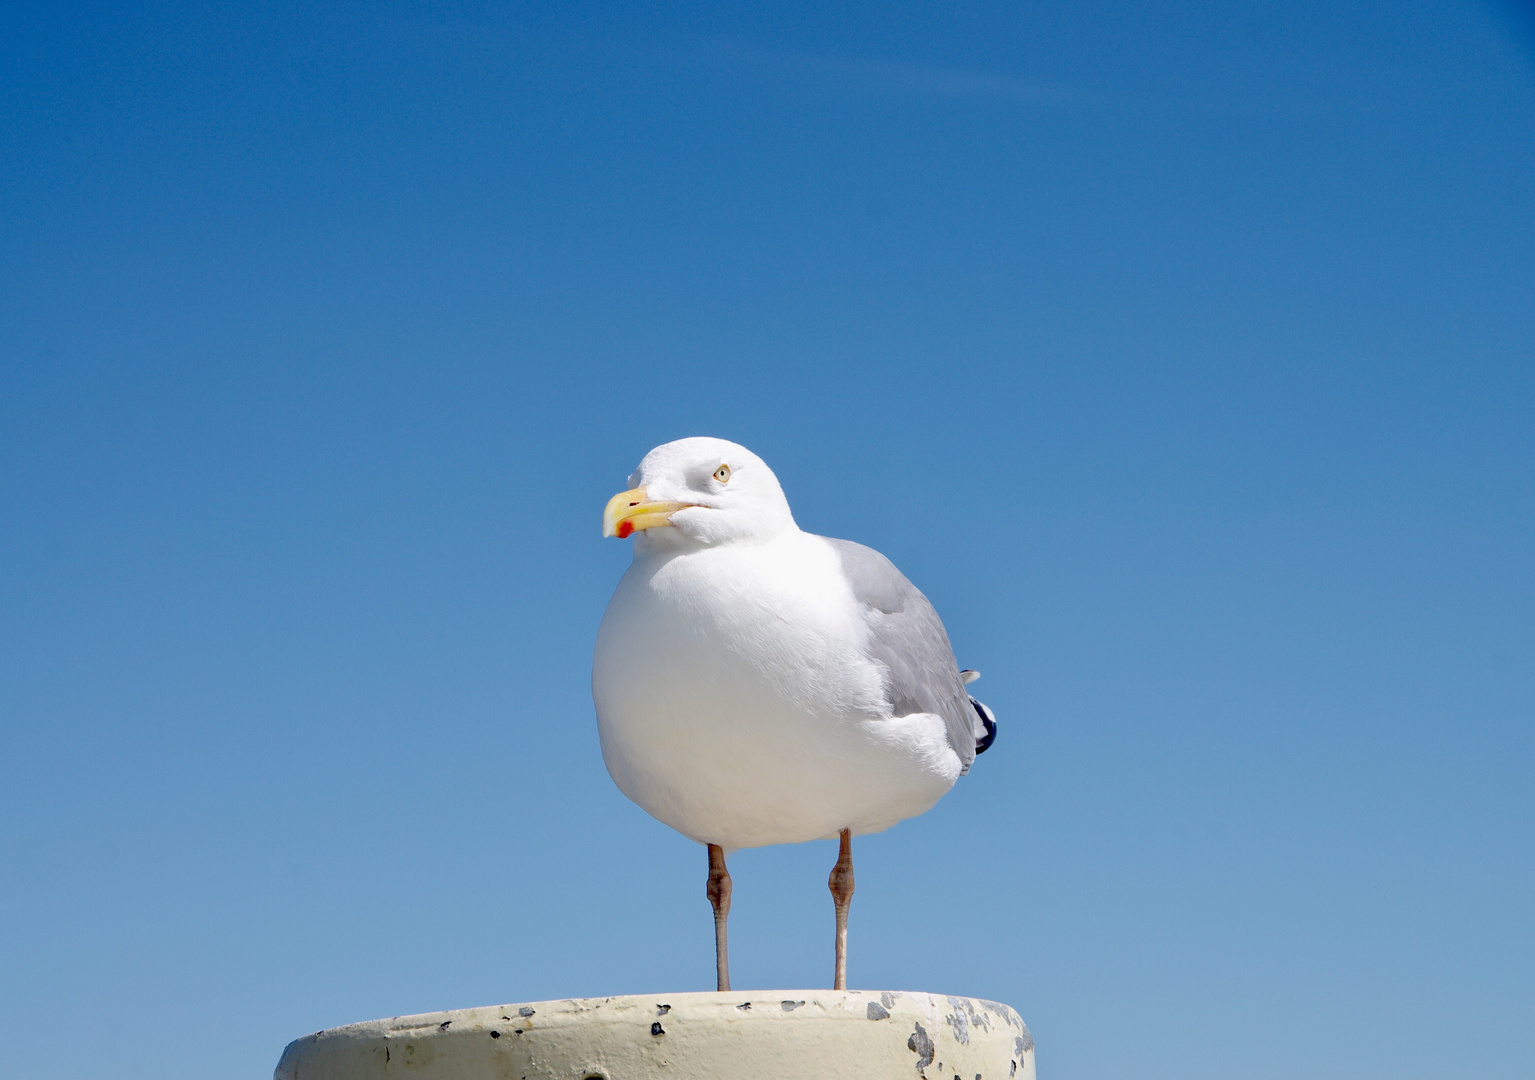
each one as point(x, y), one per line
point(757, 684)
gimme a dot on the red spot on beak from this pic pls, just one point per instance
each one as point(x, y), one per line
point(625, 529)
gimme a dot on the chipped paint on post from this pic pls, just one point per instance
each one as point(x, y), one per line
point(731, 1036)
point(922, 1046)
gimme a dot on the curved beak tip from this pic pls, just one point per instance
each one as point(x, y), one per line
point(620, 507)
point(631, 511)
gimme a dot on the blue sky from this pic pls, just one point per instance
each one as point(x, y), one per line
point(1182, 354)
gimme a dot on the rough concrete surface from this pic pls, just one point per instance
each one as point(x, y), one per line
point(746, 1035)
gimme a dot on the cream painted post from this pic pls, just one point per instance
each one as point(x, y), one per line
point(748, 1035)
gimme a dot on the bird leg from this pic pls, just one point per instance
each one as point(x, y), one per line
point(719, 896)
point(841, 883)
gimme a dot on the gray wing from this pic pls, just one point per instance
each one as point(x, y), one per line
point(907, 637)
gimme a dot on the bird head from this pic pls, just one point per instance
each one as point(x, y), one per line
point(699, 491)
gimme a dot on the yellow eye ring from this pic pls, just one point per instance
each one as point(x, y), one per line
point(722, 474)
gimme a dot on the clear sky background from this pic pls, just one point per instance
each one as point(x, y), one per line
point(1183, 354)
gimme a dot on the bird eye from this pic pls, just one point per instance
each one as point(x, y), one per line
point(722, 474)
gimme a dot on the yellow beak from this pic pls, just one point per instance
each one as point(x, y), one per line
point(629, 512)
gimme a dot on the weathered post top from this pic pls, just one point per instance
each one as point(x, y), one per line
point(747, 1035)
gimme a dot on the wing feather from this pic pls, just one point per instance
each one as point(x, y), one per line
point(908, 639)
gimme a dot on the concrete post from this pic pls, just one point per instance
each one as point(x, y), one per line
point(746, 1035)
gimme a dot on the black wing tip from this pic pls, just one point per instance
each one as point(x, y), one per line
point(989, 721)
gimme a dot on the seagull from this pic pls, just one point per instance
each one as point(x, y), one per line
point(757, 684)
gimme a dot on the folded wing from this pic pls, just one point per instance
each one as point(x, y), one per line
point(908, 639)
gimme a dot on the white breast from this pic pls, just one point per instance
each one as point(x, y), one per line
point(735, 702)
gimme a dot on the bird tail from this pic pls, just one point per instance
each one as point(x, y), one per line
point(987, 725)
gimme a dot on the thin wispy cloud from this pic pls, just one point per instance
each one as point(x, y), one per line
point(843, 73)
point(871, 75)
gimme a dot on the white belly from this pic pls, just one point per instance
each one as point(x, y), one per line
point(735, 703)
